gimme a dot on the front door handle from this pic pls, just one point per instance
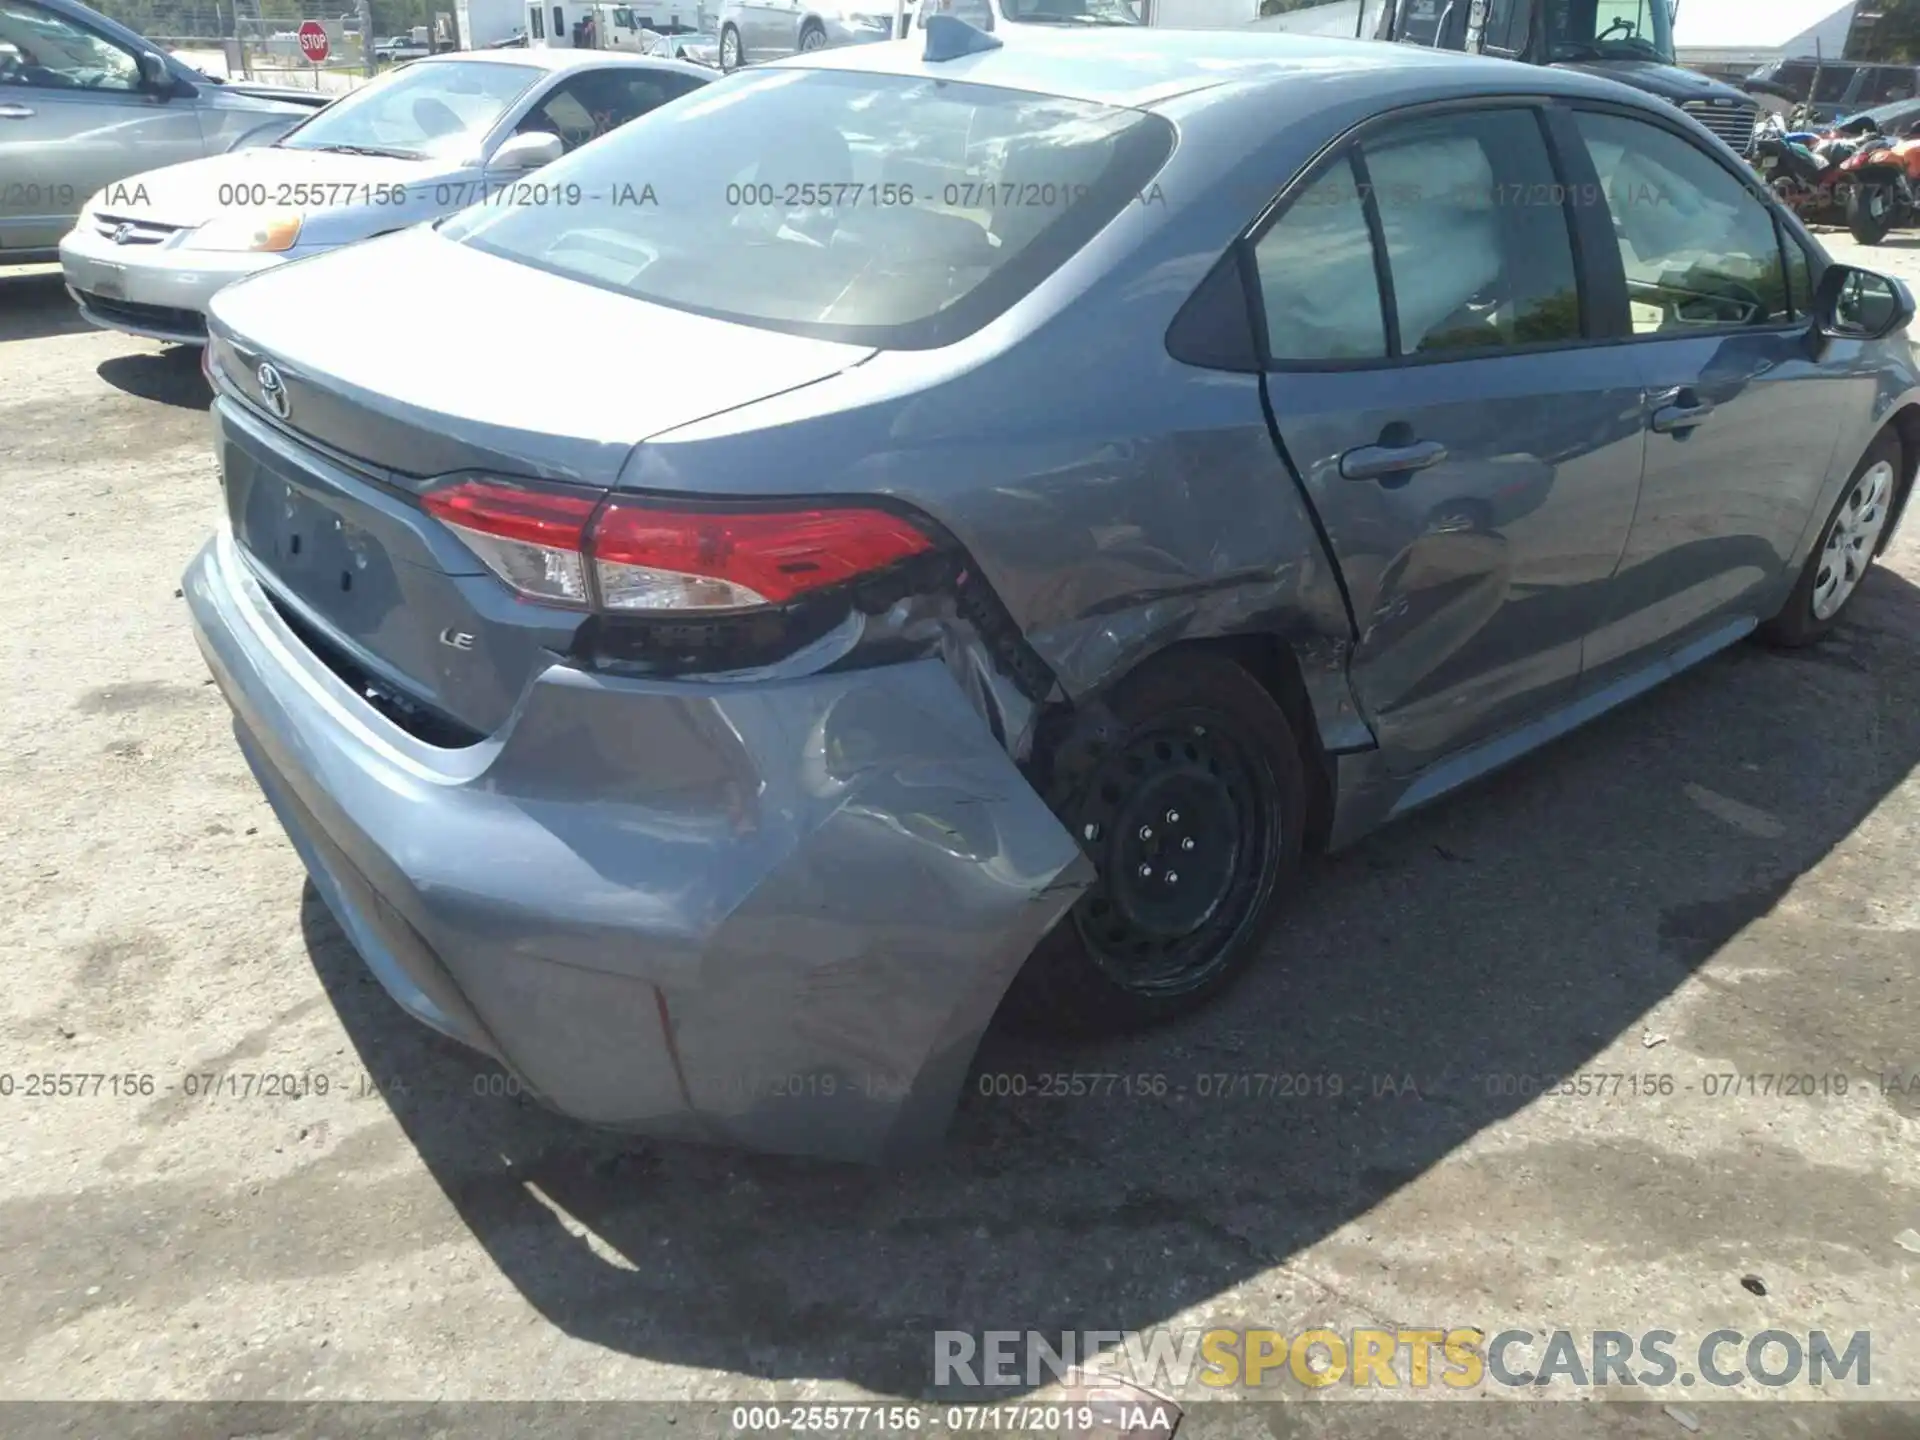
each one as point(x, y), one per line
point(1377, 462)
point(1682, 412)
point(15, 112)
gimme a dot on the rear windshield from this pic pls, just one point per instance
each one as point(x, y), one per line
point(875, 209)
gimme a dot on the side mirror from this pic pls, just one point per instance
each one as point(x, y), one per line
point(1855, 304)
point(154, 73)
point(528, 152)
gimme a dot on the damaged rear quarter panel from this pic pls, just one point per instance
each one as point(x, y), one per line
point(1116, 500)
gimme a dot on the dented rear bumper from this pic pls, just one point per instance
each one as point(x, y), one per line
point(775, 915)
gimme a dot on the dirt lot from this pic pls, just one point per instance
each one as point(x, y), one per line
point(1718, 881)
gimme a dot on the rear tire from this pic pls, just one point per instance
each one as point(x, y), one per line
point(1870, 211)
point(1849, 541)
point(729, 49)
point(812, 38)
point(1190, 799)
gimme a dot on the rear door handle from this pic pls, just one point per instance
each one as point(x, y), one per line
point(1376, 462)
point(15, 112)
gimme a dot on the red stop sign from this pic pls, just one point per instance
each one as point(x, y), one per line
point(313, 41)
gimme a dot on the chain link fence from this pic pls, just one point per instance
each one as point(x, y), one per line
point(256, 40)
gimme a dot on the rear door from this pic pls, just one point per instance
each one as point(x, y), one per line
point(73, 118)
point(1742, 422)
point(1473, 453)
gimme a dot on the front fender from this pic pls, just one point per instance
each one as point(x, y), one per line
point(1896, 401)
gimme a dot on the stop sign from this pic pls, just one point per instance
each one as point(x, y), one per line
point(313, 41)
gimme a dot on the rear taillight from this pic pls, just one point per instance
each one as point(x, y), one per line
point(532, 539)
point(648, 558)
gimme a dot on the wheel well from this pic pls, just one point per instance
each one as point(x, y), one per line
point(1272, 662)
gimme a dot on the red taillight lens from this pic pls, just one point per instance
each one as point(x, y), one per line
point(654, 559)
point(648, 558)
point(532, 539)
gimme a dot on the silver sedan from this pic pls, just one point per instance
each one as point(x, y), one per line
point(1006, 504)
point(149, 252)
point(753, 30)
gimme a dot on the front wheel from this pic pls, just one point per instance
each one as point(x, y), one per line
point(1871, 211)
point(812, 38)
point(1846, 550)
point(1189, 798)
point(729, 49)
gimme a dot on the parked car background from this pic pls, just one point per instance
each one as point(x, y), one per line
point(425, 140)
point(755, 30)
point(1630, 41)
point(1830, 90)
point(692, 46)
point(85, 101)
point(993, 15)
point(1385, 482)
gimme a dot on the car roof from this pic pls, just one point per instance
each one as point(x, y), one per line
point(1137, 67)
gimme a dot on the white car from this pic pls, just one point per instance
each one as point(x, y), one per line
point(149, 252)
point(996, 14)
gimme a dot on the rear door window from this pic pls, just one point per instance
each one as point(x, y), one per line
point(1318, 284)
point(1462, 215)
point(1476, 232)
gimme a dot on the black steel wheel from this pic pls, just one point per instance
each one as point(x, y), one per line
point(1188, 797)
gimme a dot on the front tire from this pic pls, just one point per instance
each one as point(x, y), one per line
point(1870, 212)
point(1848, 543)
point(1189, 797)
point(812, 38)
point(729, 49)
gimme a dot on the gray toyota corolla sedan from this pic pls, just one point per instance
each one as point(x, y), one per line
point(943, 525)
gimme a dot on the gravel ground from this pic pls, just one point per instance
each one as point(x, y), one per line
point(1718, 880)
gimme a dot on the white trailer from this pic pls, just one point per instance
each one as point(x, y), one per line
point(480, 23)
point(1347, 19)
point(1201, 14)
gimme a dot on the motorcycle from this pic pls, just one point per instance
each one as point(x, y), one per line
point(1806, 179)
point(1882, 180)
point(1852, 175)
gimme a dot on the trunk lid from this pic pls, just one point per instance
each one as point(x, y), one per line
point(339, 414)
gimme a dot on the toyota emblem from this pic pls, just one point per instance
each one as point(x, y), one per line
point(273, 390)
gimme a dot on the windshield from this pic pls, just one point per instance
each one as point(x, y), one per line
point(882, 210)
point(1610, 30)
point(437, 108)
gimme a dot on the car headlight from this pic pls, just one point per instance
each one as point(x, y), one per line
point(870, 22)
point(272, 232)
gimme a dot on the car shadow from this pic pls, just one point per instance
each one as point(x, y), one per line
point(1515, 930)
point(34, 305)
point(168, 377)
